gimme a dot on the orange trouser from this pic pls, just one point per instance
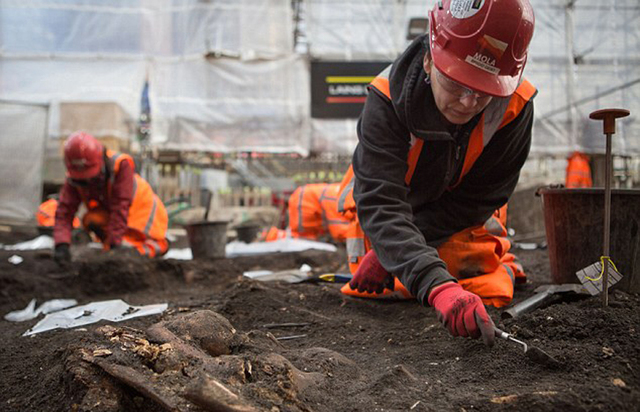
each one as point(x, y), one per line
point(478, 257)
point(97, 220)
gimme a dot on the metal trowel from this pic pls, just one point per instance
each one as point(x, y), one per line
point(534, 354)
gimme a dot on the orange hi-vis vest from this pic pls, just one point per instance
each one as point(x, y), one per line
point(478, 257)
point(147, 221)
point(46, 215)
point(313, 212)
point(578, 171)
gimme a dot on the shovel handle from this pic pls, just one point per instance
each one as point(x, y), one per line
point(608, 117)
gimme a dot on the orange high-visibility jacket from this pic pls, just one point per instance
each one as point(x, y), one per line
point(313, 212)
point(46, 215)
point(127, 197)
point(578, 171)
point(417, 182)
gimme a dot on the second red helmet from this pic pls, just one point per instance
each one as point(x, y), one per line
point(83, 156)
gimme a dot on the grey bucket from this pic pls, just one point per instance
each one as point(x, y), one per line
point(574, 222)
point(207, 240)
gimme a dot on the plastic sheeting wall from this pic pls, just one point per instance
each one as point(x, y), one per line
point(583, 57)
point(22, 141)
point(225, 104)
point(251, 92)
point(221, 72)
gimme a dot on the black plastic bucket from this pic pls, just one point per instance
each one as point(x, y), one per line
point(574, 222)
point(247, 233)
point(207, 240)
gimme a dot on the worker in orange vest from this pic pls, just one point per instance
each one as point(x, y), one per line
point(313, 213)
point(122, 209)
point(578, 171)
point(443, 135)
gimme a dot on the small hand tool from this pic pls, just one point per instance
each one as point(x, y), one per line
point(533, 353)
point(336, 277)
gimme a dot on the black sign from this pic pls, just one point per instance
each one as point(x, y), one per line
point(338, 89)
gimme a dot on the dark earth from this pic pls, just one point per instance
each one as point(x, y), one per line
point(221, 345)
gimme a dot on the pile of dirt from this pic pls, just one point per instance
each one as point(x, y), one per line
point(229, 343)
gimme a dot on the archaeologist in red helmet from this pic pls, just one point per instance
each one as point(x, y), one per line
point(122, 210)
point(443, 135)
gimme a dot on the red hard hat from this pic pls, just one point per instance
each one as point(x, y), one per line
point(482, 44)
point(83, 156)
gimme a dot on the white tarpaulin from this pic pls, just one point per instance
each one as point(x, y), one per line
point(112, 310)
point(40, 242)
point(30, 312)
point(584, 56)
point(236, 248)
point(224, 75)
point(22, 144)
point(56, 51)
point(229, 105)
point(55, 81)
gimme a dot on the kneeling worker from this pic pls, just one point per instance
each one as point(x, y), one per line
point(443, 136)
point(122, 210)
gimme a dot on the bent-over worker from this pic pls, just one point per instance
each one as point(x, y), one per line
point(443, 135)
point(122, 209)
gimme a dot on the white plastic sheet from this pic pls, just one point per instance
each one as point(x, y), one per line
point(22, 144)
point(281, 245)
point(30, 312)
point(229, 105)
point(253, 94)
point(236, 248)
point(584, 56)
point(41, 242)
point(112, 310)
point(53, 80)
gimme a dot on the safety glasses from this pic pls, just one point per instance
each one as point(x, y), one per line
point(455, 88)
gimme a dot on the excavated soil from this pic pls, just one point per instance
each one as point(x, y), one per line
point(231, 344)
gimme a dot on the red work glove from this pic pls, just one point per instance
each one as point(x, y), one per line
point(371, 276)
point(462, 312)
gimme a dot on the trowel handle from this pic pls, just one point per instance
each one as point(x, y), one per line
point(501, 334)
point(508, 337)
point(528, 305)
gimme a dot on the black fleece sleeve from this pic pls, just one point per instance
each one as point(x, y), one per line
point(489, 183)
point(380, 192)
